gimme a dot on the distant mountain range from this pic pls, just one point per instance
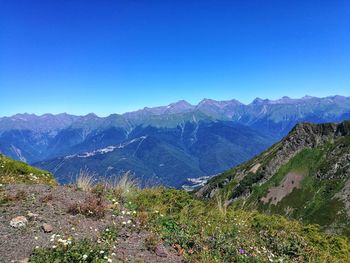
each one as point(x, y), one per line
point(164, 144)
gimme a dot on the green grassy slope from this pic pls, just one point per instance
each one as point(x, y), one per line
point(314, 201)
point(18, 172)
point(319, 155)
point(206, 232)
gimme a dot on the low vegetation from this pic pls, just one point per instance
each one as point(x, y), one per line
point(12, 171)
point(85, 180)
point(201, 233)
point(72, 251)
point(93, 206)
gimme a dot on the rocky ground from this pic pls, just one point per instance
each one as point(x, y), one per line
point(34, 216)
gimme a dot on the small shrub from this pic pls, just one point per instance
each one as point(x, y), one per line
point(6, 198)
point(110, 234)
point(46, 198)
point(152, 241)
point(142, 218)
point(99, 190)
point(92, 206)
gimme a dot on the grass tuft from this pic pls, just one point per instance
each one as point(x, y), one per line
point(123, 186)
point(85, 180)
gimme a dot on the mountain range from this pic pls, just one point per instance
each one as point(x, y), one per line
point(162, 145)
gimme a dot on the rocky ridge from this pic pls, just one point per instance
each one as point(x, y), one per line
point(303, 176)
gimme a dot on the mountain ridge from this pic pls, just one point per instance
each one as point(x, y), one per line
point(304, 176)
point(174, 130)
point(283, 99)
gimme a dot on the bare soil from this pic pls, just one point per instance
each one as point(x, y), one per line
point(276, 194)
point(51, 206)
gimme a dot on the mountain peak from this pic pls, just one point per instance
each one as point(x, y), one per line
point(181, 103)
point(206, 101)
point(307, 97)
point(258, 100)
point(90, 115)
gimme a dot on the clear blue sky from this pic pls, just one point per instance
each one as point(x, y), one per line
point(115, 56)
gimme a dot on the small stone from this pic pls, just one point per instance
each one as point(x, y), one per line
point(32, 215)
point(47, 228)
point(25, 260)
point(161, 252)
point(18, 221)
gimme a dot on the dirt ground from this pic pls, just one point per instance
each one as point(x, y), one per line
point(276, 194)
point(50, 204)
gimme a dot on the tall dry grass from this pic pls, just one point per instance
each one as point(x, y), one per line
point(222, 202)
point(123, 186)
point(85, 180)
